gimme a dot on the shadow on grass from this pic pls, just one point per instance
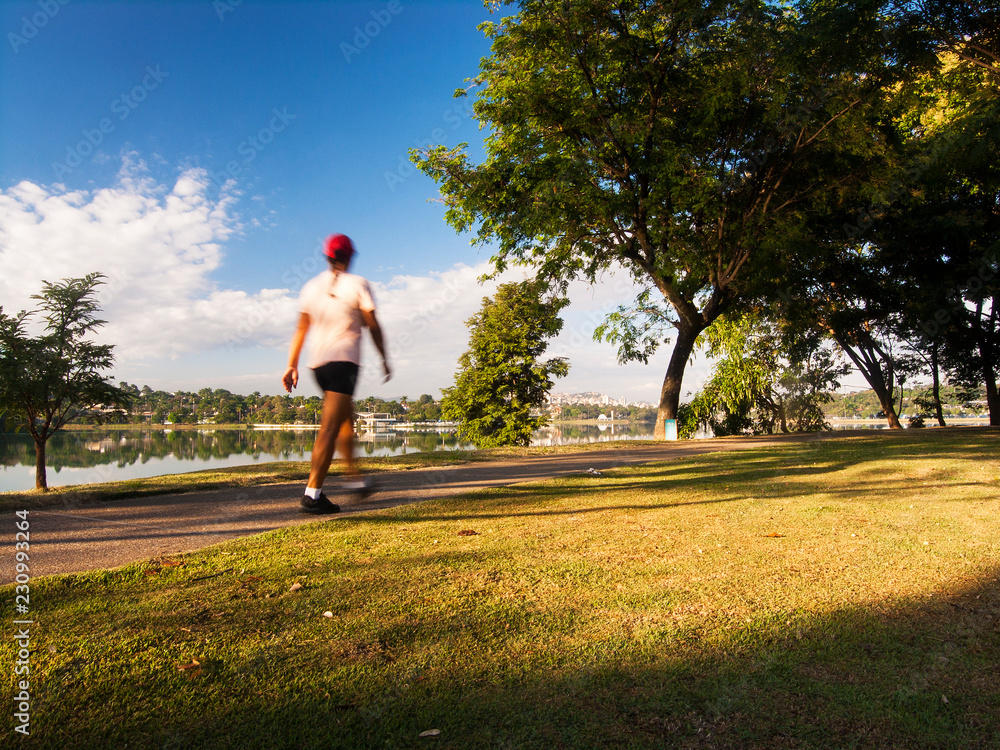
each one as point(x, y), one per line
point(499, 667)
point(796, 470)
point(903, 674)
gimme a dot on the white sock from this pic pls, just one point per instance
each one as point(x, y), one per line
point(313, 492)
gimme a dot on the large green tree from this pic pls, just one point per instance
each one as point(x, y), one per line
point(840, 286)
point(682, 141)
point(969, 30)
point(941, 247)
point(909, 281)
point(501, 378)
point(47, 380)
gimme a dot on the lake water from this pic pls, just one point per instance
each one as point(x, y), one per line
point(104, 455)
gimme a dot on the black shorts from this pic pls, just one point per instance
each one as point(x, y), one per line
point(339, 377)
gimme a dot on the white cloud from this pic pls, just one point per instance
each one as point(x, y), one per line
point(174, 328)
point(157, 245)
point(424, 320)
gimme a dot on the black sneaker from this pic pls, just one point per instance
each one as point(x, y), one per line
point(318, 506)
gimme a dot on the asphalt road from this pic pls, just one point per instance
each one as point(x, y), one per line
point(114, 533)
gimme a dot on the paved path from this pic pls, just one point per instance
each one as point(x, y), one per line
point(113, 533)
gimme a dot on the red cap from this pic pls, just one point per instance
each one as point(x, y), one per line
point(338, 247)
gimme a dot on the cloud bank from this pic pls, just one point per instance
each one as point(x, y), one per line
point(159, 246)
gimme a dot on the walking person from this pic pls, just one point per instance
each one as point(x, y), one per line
point(333, 308)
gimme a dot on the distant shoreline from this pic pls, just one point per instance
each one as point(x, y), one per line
point(929, 421)
point(153, 426)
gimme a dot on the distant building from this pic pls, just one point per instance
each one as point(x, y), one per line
point(372, 421)
point(588, 397)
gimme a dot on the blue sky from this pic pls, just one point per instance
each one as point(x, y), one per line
point(198, 152)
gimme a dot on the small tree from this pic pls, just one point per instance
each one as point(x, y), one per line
point(500, 379)
point(46, 381)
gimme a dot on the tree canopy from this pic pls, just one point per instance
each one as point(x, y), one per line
point(682, 141)
point(966, 29)
point(905, 274)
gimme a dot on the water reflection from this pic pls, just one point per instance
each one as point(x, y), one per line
point(101, 455)
point(85, 456)
point(399, 442)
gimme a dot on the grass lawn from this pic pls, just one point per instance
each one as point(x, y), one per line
point(832, 594)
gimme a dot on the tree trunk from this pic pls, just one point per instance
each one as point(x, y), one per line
point(936, 385)
point(888, 406)
point(868, 364)
point(990, 370)
point(40, 479)
point(778, 409)
point(670, 393)
point(993, 401)
point(986, 353)
point(987, 356)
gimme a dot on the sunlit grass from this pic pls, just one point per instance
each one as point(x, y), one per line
point(834, 594)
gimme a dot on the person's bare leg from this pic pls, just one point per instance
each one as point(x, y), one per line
point(337, 408)
point(356, 483)
point(345, 447)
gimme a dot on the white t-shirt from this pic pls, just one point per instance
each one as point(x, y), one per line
point(334, 303)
